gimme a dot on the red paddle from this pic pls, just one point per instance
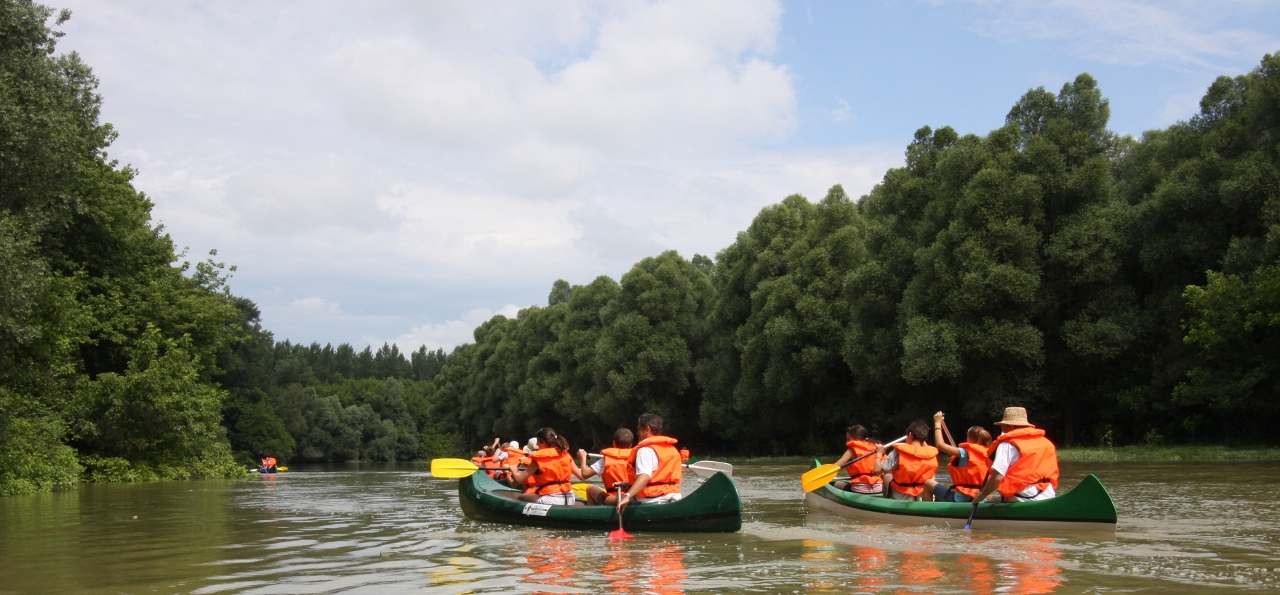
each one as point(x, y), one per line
point(619, 534)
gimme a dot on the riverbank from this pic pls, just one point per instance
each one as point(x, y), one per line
point(1092, 454)
point(1168, 453)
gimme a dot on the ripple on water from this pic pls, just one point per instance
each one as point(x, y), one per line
point(398, 530)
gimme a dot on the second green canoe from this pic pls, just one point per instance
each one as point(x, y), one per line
point(1088, 507)
point(714, 507)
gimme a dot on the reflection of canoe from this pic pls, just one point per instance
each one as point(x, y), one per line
point(712, 508)
point(1088, 507)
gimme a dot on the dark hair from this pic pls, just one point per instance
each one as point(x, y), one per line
point(651, 421)
point(488, 449)
point(919, 430)
point(979, 435)
point(623, 438)
point(547, 438)
point(856, 432)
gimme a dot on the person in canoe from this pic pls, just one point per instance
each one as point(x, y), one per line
point(549, 472)
point(968, 466)
point(910, 464)
point(1024, 464)
point(657, 465)
point(269, 465)
point(864, 478)
point(614, 469)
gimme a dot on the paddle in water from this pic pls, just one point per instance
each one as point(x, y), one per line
point(619, 534)
point(968, 525)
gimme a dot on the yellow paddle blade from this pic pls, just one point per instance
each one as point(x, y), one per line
point(282, 468)
point(452, 468)
point(818, 477)
point(580, 490)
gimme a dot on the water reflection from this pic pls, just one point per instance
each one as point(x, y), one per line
point(395, 530)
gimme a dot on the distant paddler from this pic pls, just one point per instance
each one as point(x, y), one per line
point(657, 465)
point(968, 466)
point(268, 465)
point(613, 467)
point(1024, 464)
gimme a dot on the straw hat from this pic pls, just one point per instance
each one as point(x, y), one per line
point(1014, 416)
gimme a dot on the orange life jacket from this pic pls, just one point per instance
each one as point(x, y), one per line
point(616, 467)
point(968, 479)
point(684, 455)
point(555, 469)
point(916, 463)
point(269, 462)
point(666, 478)
point(862, 471)
point(1037, 461)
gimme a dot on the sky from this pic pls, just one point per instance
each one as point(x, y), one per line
point(402, 171)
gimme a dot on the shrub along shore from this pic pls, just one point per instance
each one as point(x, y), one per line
point(1123, 289)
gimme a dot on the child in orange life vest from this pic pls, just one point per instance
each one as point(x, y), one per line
point(863, 476)
point(657, 465)
point(1024, 464)
point(549, 471)
point(968, 466)
point(612, 468)
point(910, 464)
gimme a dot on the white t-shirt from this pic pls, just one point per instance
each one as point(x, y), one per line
point(647, 464)
point(502, 456)
point(1006, 455)
point(598, 466)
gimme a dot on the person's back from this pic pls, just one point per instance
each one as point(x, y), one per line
point(550, 469)
point(613, 467)
point(1023, 460)
point(911, 463)
point(860, 462)
point(657, 465)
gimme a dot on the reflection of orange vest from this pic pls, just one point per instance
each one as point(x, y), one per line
point(861, 471)
point(968, 479)
point(616, 467)
point(1037, 461)
point(666, 478)
point(916, 463)
point(555, 469)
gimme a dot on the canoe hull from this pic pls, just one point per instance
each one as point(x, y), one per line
point(714, 507)
point(1087, 508)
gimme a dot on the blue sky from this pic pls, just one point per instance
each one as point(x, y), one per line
point(400, 171)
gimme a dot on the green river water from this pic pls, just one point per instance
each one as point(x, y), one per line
point(1184, 528)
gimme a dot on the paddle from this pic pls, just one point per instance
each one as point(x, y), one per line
point(823, 474)
point(969, 523)
point(619, 534)
point(580, 490)
point(457, 468)
point(702, 468)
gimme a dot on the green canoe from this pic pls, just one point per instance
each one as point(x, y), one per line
point(714, 507)
point(1088, 507)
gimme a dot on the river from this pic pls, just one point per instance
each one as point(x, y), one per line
point(1184, 528)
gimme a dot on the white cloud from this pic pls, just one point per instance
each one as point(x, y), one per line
point(448, 334)
point(1130, 31)
point(412, 160)
point(315, 306)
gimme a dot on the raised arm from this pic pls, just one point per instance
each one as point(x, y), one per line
point(938, 439)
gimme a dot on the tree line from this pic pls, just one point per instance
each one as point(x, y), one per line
point(1125, 290)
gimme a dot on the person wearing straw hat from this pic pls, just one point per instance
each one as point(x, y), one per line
point(1024, 464)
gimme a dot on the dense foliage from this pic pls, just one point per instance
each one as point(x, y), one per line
point(1125, 290)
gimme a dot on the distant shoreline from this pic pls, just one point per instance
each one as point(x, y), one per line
point(1085, 454)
